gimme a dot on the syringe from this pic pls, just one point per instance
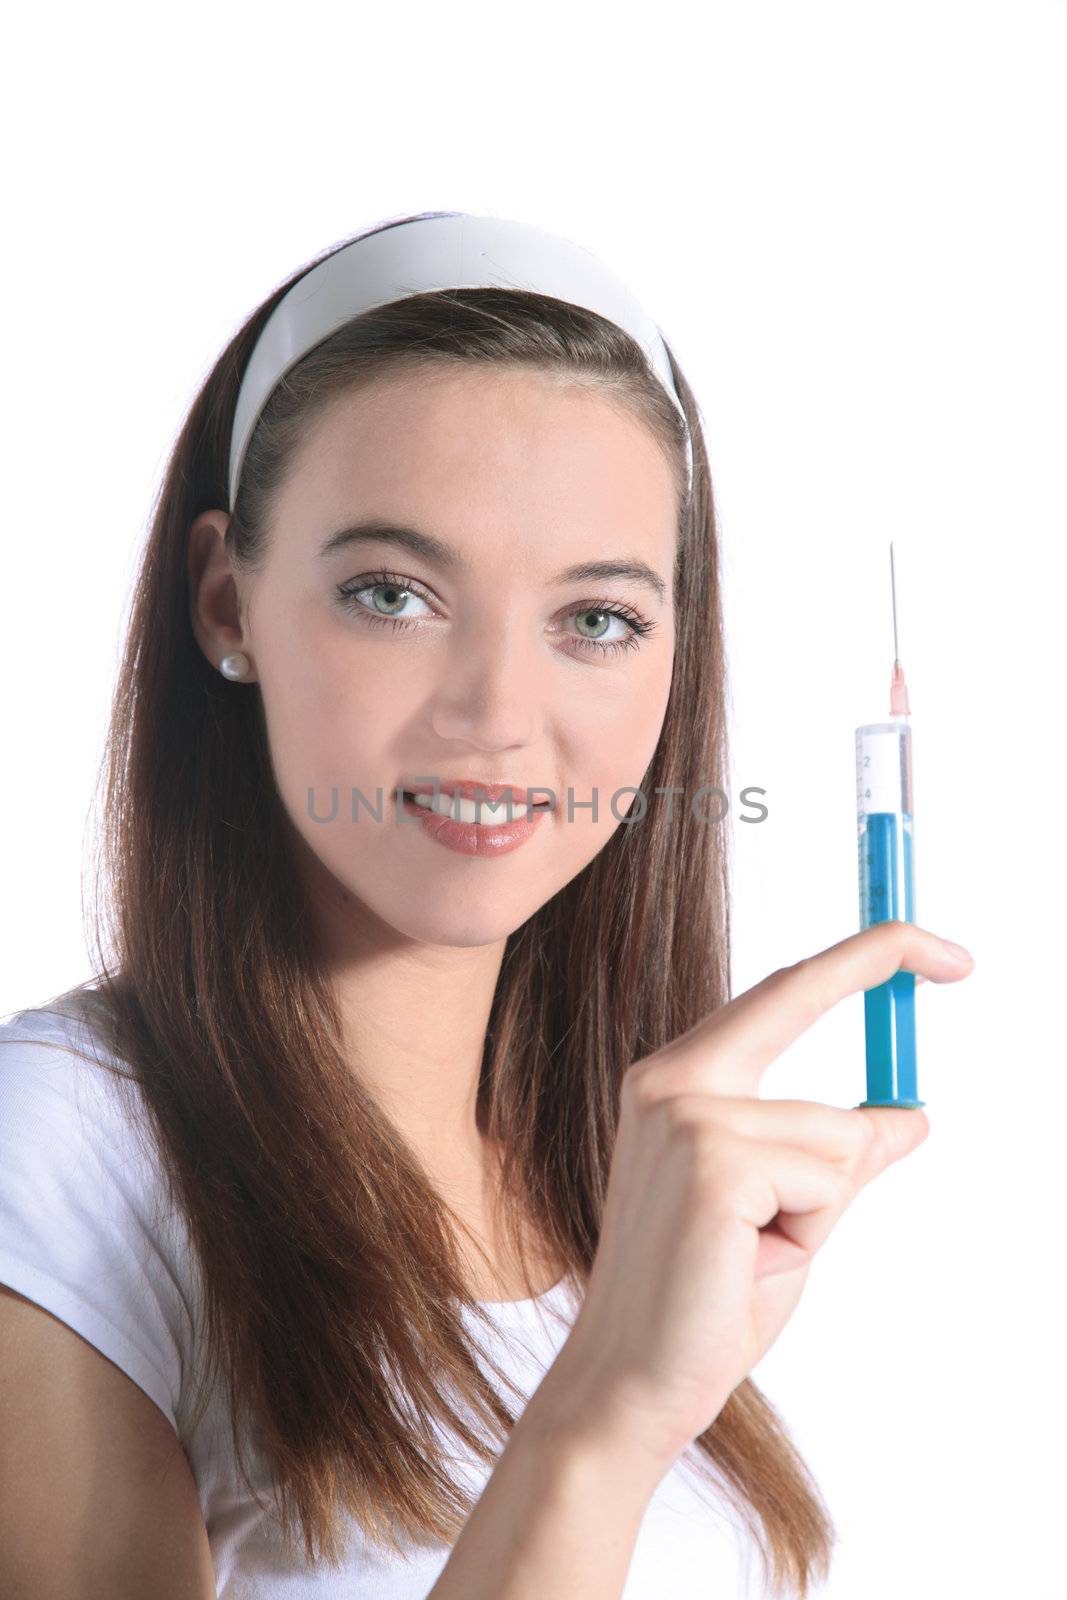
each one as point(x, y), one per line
point(887, 884)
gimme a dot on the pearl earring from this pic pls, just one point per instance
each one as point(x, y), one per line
point(234, 666)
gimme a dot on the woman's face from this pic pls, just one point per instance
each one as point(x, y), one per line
point(502, 670)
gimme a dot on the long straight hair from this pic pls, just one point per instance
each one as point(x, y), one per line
point(308, 1213)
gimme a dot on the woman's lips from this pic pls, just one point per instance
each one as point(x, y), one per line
point(475, 838)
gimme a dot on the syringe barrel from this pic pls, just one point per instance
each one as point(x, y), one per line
point(887, 894)
point(883, 767)
point(884, 823)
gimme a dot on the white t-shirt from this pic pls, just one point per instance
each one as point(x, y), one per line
point(86, 1232)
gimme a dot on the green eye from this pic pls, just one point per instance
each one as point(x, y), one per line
point(396, 592)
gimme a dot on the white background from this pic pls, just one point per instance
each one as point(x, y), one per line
point(849, 220)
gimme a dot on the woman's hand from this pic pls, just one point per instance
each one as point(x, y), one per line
point(717, 1201)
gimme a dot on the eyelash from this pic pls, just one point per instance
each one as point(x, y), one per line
point(640, 627)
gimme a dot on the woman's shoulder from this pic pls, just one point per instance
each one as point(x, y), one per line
point(87, 1227)
point(56, 1058)
point(72, 1015)
point(69, 1102)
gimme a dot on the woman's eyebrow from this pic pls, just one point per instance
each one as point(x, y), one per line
point(431, 548)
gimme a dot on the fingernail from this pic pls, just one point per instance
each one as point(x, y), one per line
point(956, 951)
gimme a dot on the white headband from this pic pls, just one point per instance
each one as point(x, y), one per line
point(445, 250)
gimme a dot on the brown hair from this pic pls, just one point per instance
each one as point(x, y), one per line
point(304, 1205)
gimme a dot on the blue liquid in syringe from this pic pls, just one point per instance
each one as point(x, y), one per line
point(887, 894)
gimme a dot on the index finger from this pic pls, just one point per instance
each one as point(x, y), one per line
point(751, 1030)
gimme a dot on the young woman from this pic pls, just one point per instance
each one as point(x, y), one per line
point(394, 1211)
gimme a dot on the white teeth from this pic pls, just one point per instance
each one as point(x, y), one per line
point(460, 809)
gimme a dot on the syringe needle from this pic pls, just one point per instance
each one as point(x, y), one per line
point(898, 692)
